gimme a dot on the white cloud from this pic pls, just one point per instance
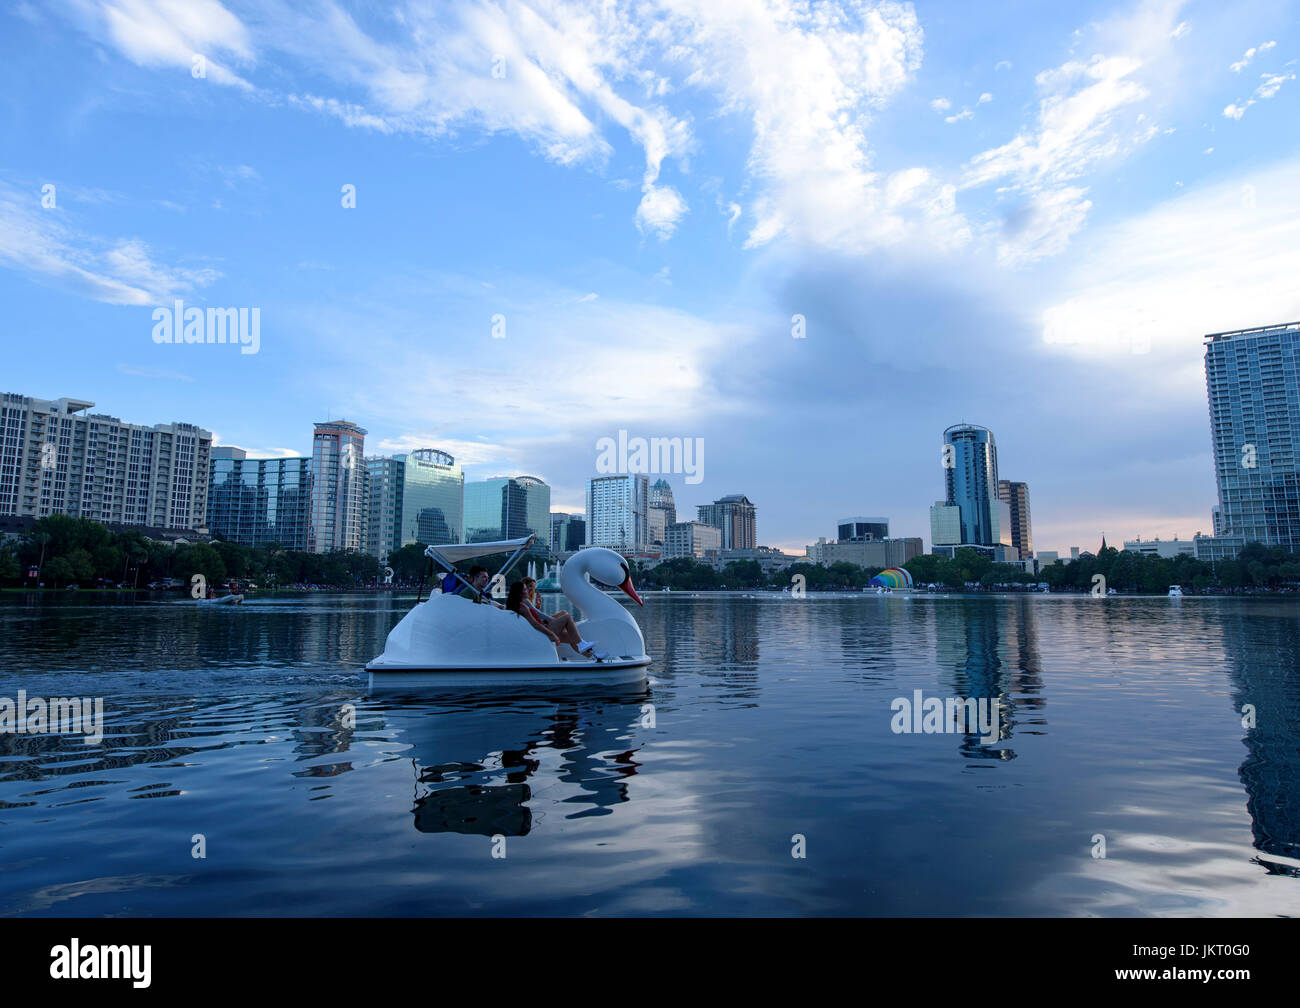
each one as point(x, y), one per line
point(171, 33)
point(659, 211)
point(601, 363)
point(941, 104)
point(985, 97)
point(809, 78)
point(1209, 260)
point(1249, 55)
point(1272, 83)
point(1076, 128)
point(1088, 114)
point(37, 241)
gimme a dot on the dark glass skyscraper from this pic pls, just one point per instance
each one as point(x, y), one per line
point(971, 480)
point(1254, 392)
point(508, 508)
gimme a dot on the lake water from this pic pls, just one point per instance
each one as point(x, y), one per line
point(765, 730)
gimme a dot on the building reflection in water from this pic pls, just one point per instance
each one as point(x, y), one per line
point(716, 638)
point(988, 649)
point(1264, 652)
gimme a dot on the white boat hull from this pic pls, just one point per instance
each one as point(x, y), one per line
point(449, 641)
point(613, 671)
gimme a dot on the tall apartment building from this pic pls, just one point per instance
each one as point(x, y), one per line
point(340, 496)
point(57, 458)
point(1254, 400)
point(384, 524)
point(617, 512)
point(736, 517)
point(259, 502)
point(1016, 497)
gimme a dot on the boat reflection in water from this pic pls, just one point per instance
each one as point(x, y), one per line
point(478, 761)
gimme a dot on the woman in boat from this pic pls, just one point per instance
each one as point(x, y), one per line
point(559, 627)
point(516, 604)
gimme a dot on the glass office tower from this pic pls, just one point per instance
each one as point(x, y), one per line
point(433, 491)
point(508, 508)
point(259, 502)
point(415, 497)
point(1254, 398)
point(972, 482)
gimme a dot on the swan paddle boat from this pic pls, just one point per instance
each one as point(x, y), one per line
point(216, 600)
point(450, 640)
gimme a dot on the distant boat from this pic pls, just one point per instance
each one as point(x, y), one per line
point(1175, 591)
point(223, 600)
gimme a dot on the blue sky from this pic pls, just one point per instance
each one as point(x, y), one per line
point(1014, 214)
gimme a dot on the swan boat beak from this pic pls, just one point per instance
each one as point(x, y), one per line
point(631, 591)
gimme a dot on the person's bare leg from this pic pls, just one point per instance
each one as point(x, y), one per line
point(564, 627)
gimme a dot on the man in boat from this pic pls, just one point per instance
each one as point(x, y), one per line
point(477, 592)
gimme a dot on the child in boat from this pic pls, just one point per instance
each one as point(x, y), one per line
point(560, 626)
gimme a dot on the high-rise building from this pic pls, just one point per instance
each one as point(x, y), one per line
point(736, 517)
point(568, 532)
point(433, 498)
point(1254, 398)
point(259, 502)
point(508, 507)
point(692, 539)
point(537, 509)
point(340, 495)
point(384, 527)
point(663, 510)
point(617, 512)
point(971, 481)
point(415, 497)
point(55, 458)
point(1016, 497)
point(657, 522)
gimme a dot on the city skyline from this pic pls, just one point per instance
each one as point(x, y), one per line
point(373, 490)
point(991, 219)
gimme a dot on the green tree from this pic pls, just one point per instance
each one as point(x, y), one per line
point(10, 569)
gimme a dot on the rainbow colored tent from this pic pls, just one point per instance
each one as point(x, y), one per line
point(894, 577)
